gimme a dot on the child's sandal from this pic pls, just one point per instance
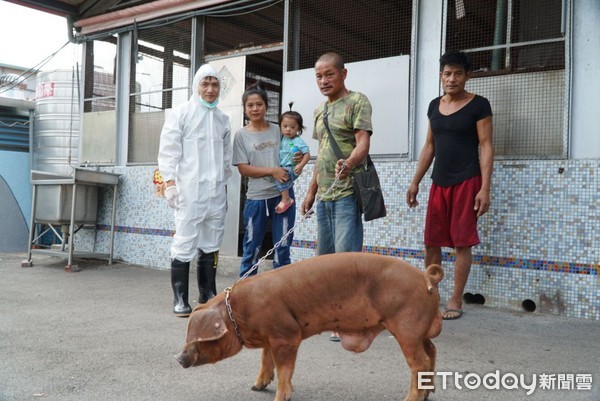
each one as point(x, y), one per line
point(282, 207)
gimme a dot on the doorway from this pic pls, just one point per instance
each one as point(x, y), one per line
point(238, 73)
point(266, 67)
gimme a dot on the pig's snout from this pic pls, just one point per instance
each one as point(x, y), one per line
point(184, 360)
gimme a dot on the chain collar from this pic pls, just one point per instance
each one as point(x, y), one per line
point(230, 313)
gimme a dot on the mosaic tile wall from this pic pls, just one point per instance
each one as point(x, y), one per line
point(540, 240)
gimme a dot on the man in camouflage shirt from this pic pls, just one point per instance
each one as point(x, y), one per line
point(339, 219)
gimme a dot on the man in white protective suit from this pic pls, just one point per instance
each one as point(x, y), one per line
point(194, 159)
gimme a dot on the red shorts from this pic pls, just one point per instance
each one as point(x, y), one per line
point(451, 220)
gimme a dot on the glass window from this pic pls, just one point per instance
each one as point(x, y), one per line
point(100, 75)
point(98, 136)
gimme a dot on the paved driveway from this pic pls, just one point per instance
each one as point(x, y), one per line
point(107, 333)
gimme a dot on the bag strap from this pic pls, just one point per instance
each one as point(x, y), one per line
point(334, 144)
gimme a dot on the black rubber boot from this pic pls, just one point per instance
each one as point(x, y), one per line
point(180, 277)
point(207, 273)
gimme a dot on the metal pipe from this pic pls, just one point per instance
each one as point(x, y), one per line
point(72, 226)
point(32, 225)
point(123, 97)
point(197, 50)
point(499, 34)
point(296, 35)
point(112, 225)
point(70, 29)
point(286, 35)
point(563, 16)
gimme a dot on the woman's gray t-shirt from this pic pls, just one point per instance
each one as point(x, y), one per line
point(260, 149)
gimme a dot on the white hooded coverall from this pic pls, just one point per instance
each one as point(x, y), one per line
point(195, 151)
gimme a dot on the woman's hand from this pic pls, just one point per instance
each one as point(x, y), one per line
point(279, 174)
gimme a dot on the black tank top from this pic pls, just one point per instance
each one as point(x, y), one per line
point(456, 141)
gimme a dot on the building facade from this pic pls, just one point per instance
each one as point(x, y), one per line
point(540, 245)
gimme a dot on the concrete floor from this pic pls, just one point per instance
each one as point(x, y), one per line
point(107, 333)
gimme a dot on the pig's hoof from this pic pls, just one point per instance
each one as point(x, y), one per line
point(262, 382)
point(283, 397)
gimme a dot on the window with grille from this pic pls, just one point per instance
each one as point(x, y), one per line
point(358, 30)
point(258, 27)
point(100, 75)
point(160, 75)
point(518, 53)
point(375, 39)
point(98, 136)
point(259, 34)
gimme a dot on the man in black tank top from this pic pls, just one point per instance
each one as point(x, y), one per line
point(459, 138)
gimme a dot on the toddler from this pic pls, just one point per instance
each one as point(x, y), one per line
point(291, 126)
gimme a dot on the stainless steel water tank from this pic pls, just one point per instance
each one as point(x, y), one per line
point(56, 126)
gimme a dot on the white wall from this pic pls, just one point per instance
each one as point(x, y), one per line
point(384, 81)
point(585, 89)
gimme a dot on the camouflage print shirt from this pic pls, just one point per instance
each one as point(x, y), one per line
point(345, 115)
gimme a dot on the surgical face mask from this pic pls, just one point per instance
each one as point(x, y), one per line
point(209, 105)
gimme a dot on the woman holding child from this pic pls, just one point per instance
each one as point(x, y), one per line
point(256, 155)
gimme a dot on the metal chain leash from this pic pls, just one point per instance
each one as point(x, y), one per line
point(303, 218)
point(230, 313)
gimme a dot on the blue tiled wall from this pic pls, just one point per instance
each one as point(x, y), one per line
point(539, 242)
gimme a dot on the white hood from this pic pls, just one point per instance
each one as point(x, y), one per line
point(206, 70)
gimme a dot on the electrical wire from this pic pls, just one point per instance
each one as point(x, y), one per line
point(232, 10)
point(14, 124)
point(273, 3)
point(30, 72)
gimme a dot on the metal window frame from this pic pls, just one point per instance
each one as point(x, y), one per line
point(120, 147)
point(566, 24)
point(124, 50)
point(94, 98)
point(191, 70)
point(196, 46)
point(412, 82)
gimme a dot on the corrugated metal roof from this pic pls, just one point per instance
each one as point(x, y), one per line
point(78, 9)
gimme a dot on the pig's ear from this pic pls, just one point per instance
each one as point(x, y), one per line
point(206, 325)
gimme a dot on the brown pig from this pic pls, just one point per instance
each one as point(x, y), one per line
point(357, 295)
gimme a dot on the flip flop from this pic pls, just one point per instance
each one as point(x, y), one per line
point(282, 207)
point(334, 338)
point(458, 314)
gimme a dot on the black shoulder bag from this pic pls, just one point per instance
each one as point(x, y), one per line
point(366, 182)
